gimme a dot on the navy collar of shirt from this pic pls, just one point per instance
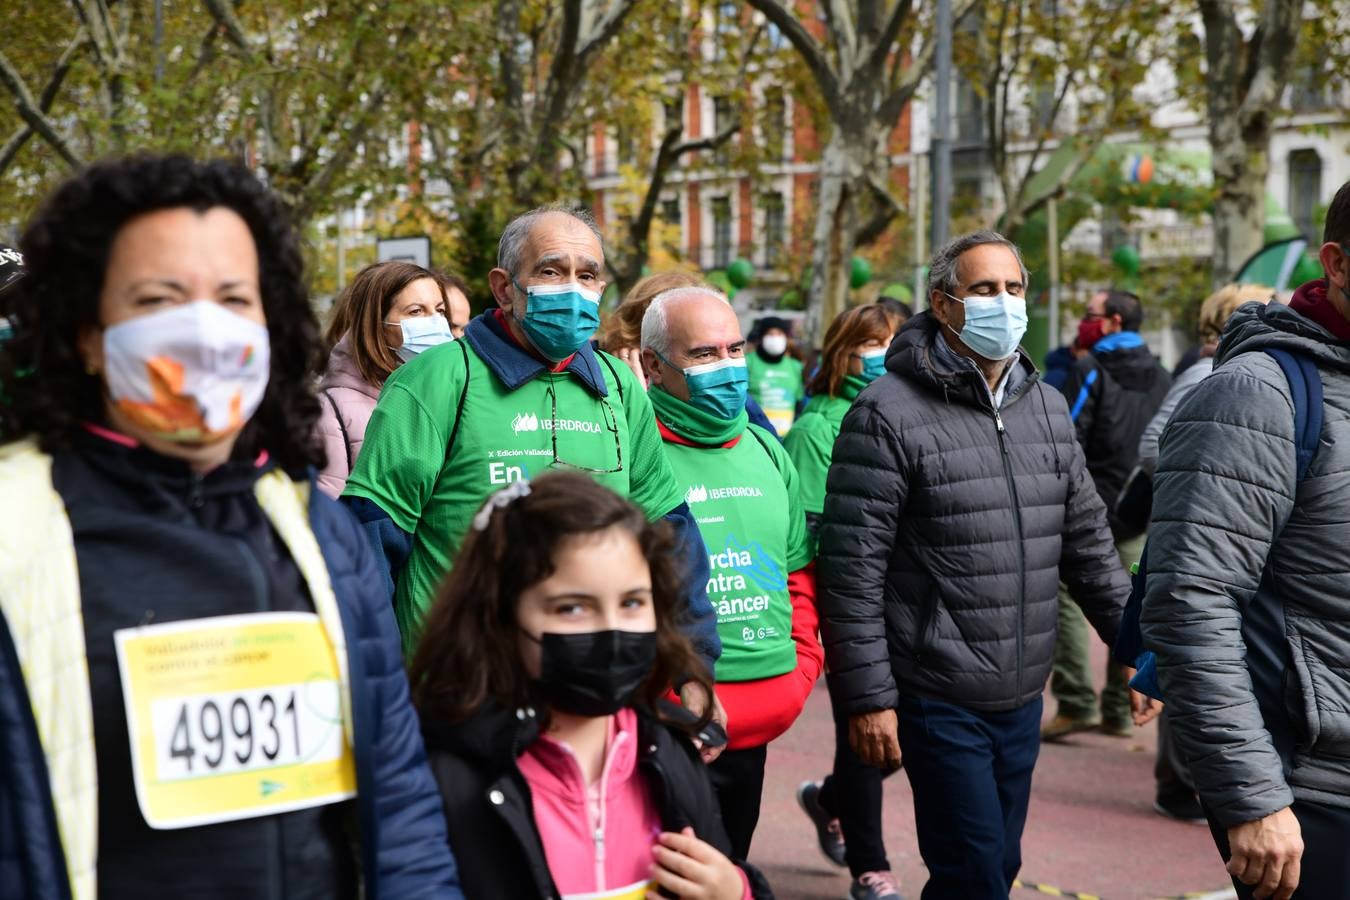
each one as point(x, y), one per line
point(515, 366)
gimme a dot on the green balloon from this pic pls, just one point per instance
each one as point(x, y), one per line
point(740, 272)
point(898, 290)
point(718, 279)
point(860, 273)
point(1126, 258)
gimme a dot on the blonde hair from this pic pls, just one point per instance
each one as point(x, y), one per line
point(1220, 305)
point(623, 328)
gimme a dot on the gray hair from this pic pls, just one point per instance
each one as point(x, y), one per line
point(655, 322)
point(518, 230)
point(942, 270)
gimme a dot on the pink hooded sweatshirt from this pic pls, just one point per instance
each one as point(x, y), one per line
point(597, 838)
point(346, 401)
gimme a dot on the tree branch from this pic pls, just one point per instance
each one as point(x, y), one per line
point(903, 88)
point(31, 113)
point(827, 80)
point(223, 13)
point(890, 34)
point(887, 209)
point(1279, 32)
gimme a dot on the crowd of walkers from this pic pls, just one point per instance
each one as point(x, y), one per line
point(512, 605)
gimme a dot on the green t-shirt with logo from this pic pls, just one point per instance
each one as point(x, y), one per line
point(746, 501)
point(433, 492)
point(777, 388)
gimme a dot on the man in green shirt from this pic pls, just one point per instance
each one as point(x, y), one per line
point(520, 393)
point(743, 490)
point(775, 378)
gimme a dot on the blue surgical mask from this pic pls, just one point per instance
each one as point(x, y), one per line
point(718, 388)
point(421, 333)
point(559, 318)
point(994, 325)
point(873, 364)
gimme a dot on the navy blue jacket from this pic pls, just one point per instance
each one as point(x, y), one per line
point(402, 830)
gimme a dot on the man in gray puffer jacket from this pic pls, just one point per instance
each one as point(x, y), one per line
point(1248, 597)
point(957, 500)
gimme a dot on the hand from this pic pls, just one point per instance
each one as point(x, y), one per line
point(874, 736)
point(632, 357)
point(693, 699)
point(1267, 854)
point(1143, 708)
point(694, 870)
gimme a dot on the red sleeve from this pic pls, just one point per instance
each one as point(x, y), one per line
point(759, 711)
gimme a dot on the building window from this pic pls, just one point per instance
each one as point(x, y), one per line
point(775, 124)
point(721, 214)
point(1305, 190)
point(968, 113)
point(670, 211)
point(774, 230)
point(723, 112)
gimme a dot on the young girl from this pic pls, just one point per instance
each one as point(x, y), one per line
point(540, 679)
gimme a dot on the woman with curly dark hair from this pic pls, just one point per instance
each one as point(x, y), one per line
point(541, 678)
point(199, 669)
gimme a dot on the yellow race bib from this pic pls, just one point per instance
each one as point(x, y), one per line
point(233, 717)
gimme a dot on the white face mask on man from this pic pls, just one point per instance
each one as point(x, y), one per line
point(774, 344)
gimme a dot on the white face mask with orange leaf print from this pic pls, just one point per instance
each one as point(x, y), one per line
point(193, 373)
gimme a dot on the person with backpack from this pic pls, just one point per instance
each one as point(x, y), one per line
point(542, 680)
point(1113, 390)
point(1247, 592)
point(522, 393)
point(390, 312)
point(743, 489)
point(1175, 795)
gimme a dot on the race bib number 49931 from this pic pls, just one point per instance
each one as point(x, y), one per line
point(233, 717)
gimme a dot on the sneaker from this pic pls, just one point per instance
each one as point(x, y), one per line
point(1183, 809)
point(1061, 726)
point(874, 886)
point(828, 833)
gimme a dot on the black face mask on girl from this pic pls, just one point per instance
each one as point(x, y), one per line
point(594, 673)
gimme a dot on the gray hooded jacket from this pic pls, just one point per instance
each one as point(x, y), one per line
point(1235, 535)
point(947, 528)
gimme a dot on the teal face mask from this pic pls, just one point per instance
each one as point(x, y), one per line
point(873, 364)
point(718, 388)
point(559, 318)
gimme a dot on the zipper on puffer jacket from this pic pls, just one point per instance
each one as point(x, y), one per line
point(1021, 549)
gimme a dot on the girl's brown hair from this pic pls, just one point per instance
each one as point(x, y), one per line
point(469, 653)
point(364, 306)
point(850, 329)
point(623, 327)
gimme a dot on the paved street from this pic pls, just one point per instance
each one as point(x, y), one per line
point(1091, 828)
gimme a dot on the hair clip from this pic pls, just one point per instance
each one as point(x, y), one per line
point(500, 500)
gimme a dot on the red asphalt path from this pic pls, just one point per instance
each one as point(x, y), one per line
point(1091, 829)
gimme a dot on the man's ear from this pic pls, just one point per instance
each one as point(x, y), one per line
point(1336, 266)
point(938, 306)
point(650, 366)
point(503, 291)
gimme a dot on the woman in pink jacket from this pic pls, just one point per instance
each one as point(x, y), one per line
point(389, 313)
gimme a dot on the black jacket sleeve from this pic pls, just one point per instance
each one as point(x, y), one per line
point(865, 493)
point(1088, 562)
